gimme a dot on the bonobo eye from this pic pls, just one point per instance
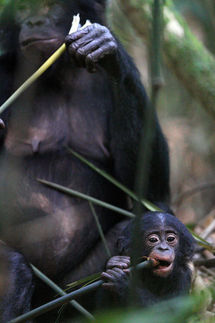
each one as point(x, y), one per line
point(153, 239)
point(171, 238)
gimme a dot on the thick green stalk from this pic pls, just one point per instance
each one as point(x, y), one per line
point(100, 229)
point(57, 289)
point(87, 197)
point(65, 299)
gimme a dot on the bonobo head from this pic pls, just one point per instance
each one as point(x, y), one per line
point(40, 26)
point(165, 239)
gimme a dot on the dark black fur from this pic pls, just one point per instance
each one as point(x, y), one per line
point(16, 284)
point(153, 288)
point(100, 115)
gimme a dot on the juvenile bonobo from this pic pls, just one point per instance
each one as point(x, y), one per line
point(165, 239)
point(100, 115)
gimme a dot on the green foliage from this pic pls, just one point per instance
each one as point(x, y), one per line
point(3, 2)
point(150, 206)
point(203, 13)
point(176, 310)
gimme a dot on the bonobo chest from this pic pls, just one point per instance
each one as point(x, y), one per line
point(42, 128)
point(52, 120)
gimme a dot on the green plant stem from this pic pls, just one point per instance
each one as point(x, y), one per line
point(150, 206)
point(33, 78)
point(100, 229)
point(56, 303)
point(69, 191)
point(66, 298)
point(86, 197)
point(57, 289)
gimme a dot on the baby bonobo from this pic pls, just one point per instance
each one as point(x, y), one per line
point(165, 239)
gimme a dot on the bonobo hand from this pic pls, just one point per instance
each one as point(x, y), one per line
point(117, 274)
point(122, 262)
point(90, 45)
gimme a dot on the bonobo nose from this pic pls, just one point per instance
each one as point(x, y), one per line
point(163, 247)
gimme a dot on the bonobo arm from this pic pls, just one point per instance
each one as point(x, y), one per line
point(16, 286)
point(6, 76)
point(95, 48)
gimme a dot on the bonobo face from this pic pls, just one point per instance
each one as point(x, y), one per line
point(164, 238)
point(162, 244)
point(43, 26)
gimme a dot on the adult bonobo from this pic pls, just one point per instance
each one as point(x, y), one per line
point(98, 114)
point(165, 239)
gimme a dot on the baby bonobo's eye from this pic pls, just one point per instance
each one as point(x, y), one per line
point(153, 239)
point(171, 238)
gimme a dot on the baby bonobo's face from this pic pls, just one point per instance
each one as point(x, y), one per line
point(162, 245)
point(166, 240)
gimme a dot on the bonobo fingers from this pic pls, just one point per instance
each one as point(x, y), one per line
point(106, 276)
point(91, 44)
point(122, 262)
point(81, 33)
point(114, 279)
point(113, 274)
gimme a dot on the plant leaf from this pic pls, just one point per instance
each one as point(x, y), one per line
point(202, 242)
point(150, 206)
point(86, 197)
point(86, 280)
point(101, 233)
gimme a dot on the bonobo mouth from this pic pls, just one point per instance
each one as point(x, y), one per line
point(35, 41)
point(164, 267)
